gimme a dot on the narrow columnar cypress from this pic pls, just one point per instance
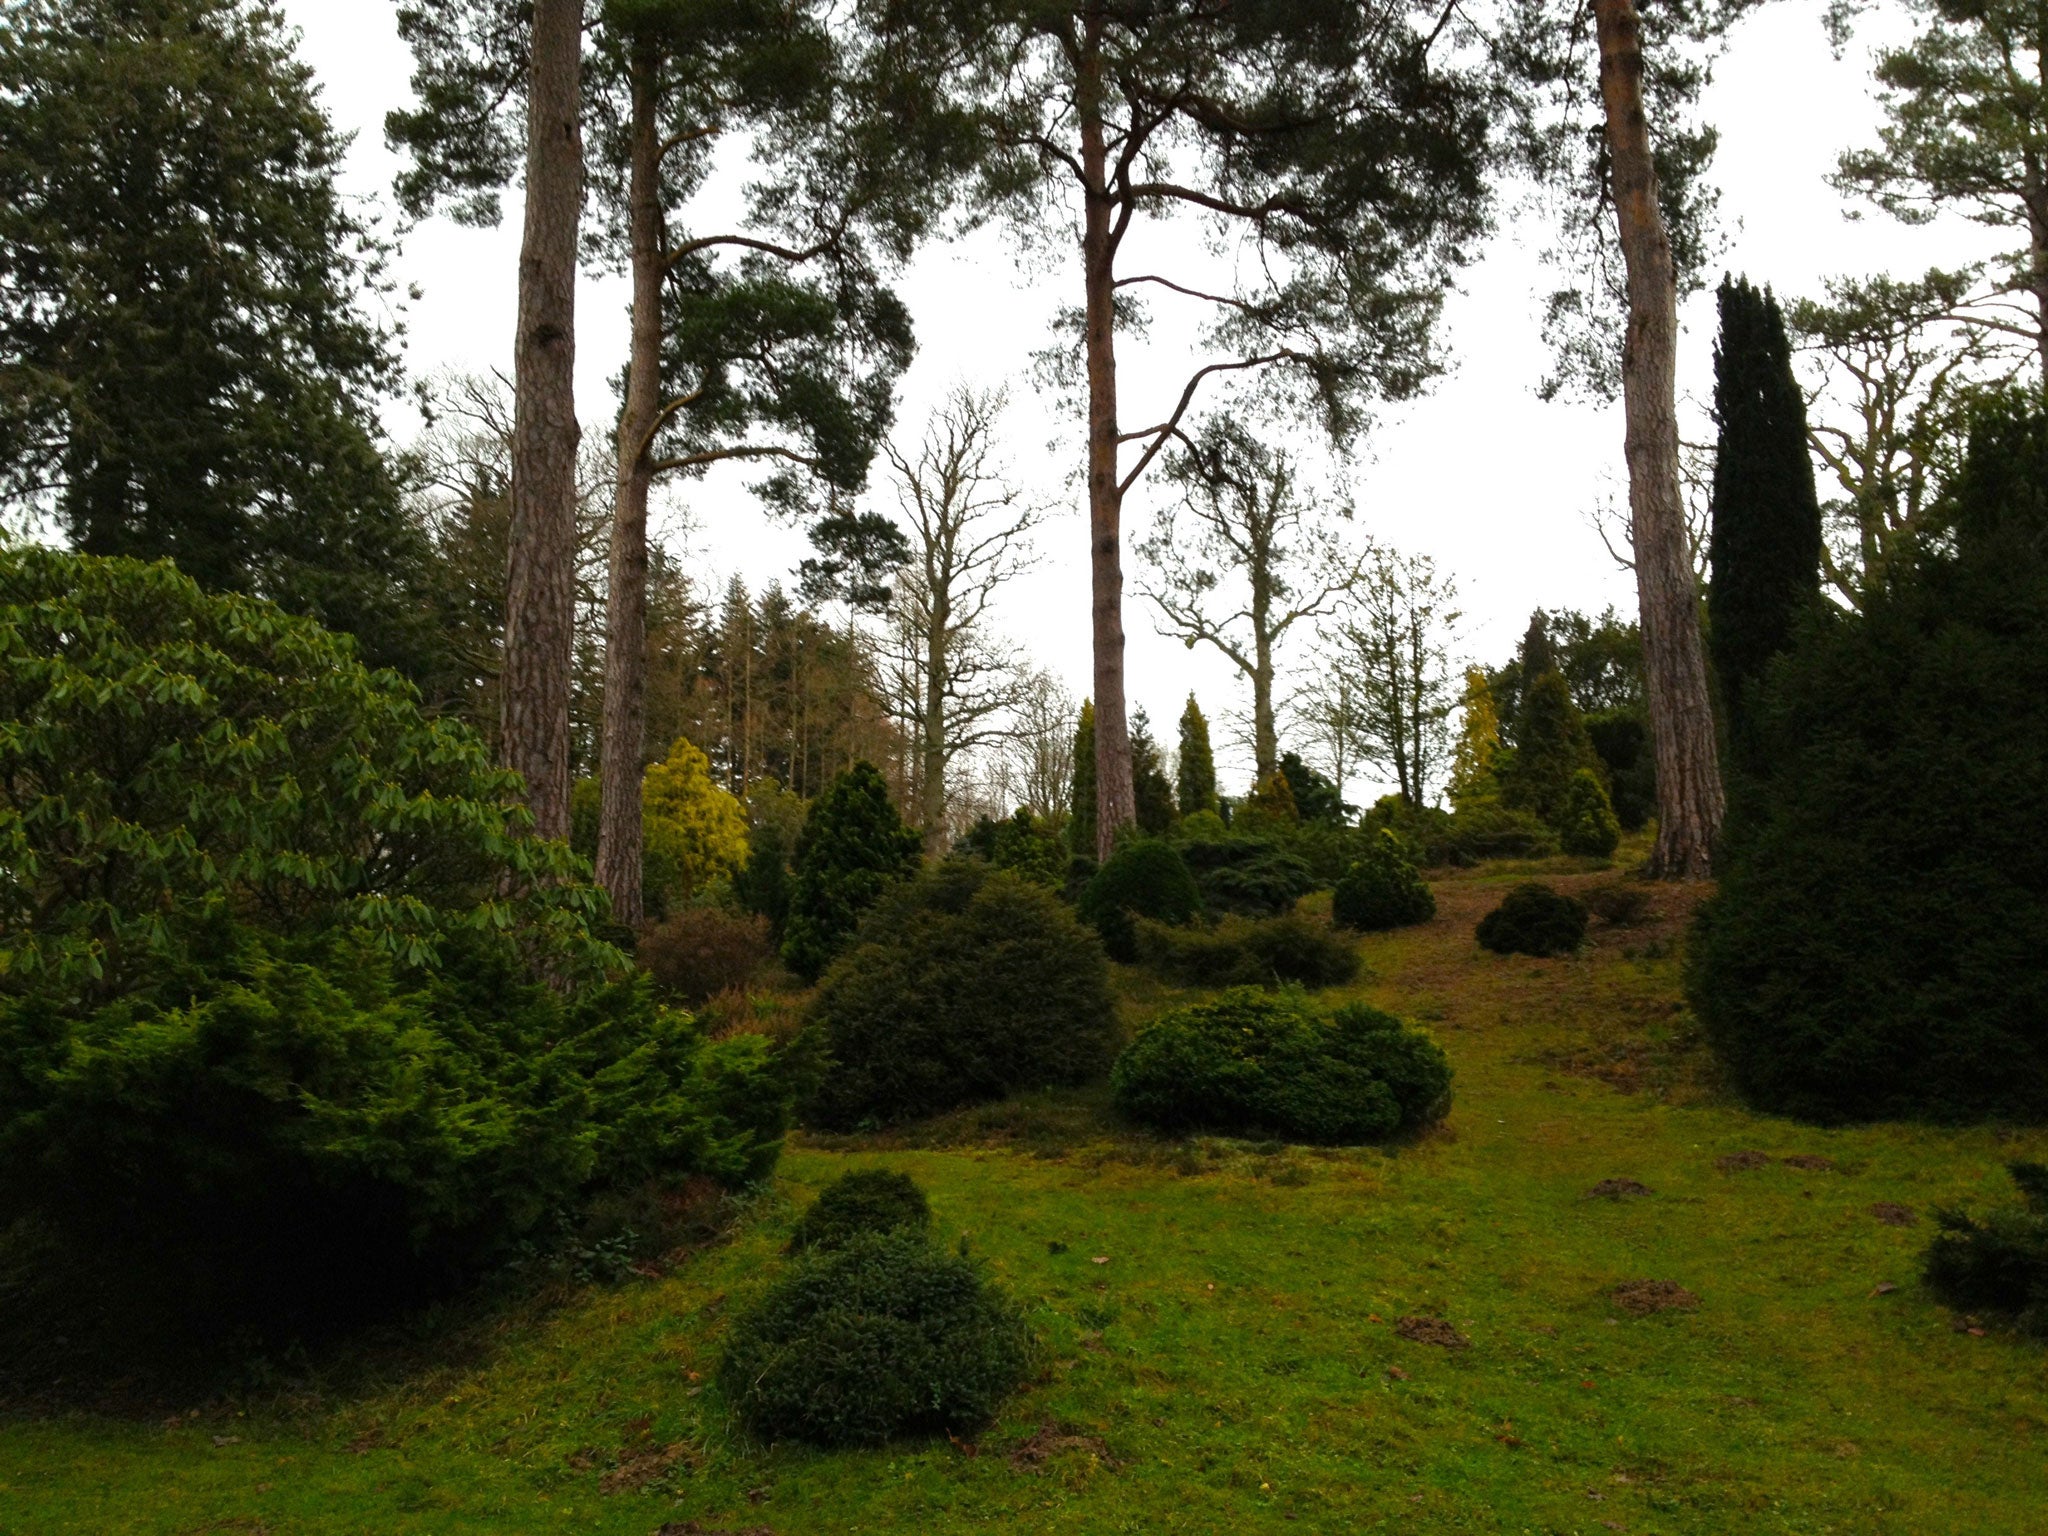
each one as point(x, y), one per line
point(1196, 774)
point(1081, 826)
point(1766, 536)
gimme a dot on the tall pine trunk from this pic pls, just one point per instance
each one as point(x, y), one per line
point(540, 585)
point(1115, 795)
point(1689, 796)
point(625, 630)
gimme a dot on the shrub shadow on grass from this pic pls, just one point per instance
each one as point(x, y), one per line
point(81, 1336)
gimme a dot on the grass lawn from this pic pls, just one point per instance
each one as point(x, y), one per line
point(1220, 1326)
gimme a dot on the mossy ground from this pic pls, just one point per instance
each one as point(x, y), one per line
point(1219, 1322)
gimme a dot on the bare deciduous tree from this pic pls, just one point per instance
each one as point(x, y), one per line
point(969, 529)
point(1326, 707)
point(1392, 645)
point(1247, 553)
point(1039, 756)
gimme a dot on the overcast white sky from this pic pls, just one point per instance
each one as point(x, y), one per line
point(1481, 475)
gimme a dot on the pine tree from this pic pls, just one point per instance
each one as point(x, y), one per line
point(1196, 772)
point(192, 348)
point(1081, 825)
point(854, 847)
point(1765, 541)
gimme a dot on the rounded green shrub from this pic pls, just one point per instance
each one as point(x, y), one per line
point(295, 1015)
point(1533, 919)
point(1143, 878)
point(862, 1203)
point(885, 1337)
point(1243, 951)
point(1252, 1062)
point(1382, 890)
point(966, 984)
point(1587, 825)
point(853, 848)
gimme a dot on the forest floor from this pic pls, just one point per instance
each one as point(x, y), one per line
point(1225, 1344)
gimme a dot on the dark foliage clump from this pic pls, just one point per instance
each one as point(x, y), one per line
point(1251, 876)
point(762, 885)
point(1874, 948)
point(1315, 796)
point(863, 1203)
point(854, 847)
point(1382, 890)
point(1621, 739)
point(1248, 952)
point(883, 1337)
point(1252, 1062)
point(964, 986)
point(700, 952)
point(1619, 904)
point(1475, 834)
point(1143, 878)
point(1533, 919)
point(1998, 1264)
point(1024, 844)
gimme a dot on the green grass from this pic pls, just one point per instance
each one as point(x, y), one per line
point(1233, 1366)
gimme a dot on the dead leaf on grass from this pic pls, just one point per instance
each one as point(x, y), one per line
point(1737, 1162)
point(1431, 1330)
point(1639, 1298)
point(1812, 1162)
point(1883, 1288)
point(1892, 1214)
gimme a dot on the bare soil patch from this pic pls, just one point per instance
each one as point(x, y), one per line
point(1812, 1162)
point(1431, 1330)
point(1640, 1298)
point(1892, 1214)
point(1737, 1162)
point(1619, 1189)
point(1050, 1440)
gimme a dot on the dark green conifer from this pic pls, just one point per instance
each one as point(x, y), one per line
point(854, 847)
point(1156, 810)
point(1765, 539)
point(1551, 746)
point(1197, 768)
